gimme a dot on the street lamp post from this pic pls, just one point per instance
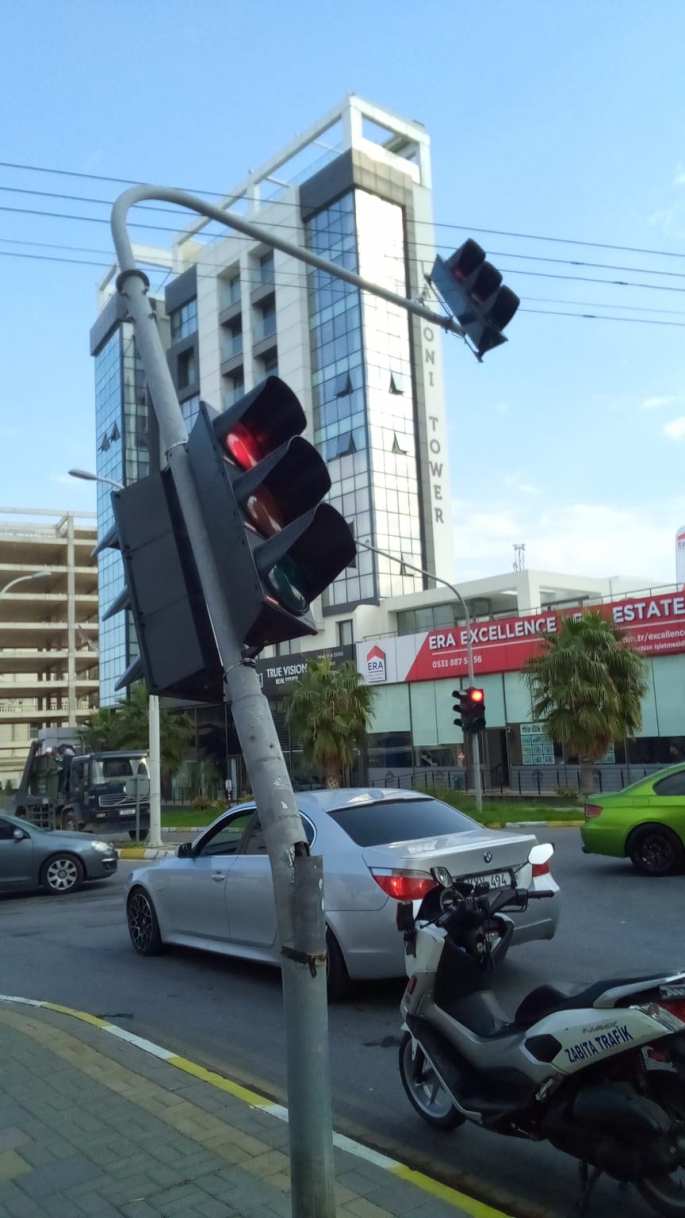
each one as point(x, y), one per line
point(155, 833)
point(477, 778)
point(24, 579)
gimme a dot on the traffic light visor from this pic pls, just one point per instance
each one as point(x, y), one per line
point(260, 422)
point(466, 259)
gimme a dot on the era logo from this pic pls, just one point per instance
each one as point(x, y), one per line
point(375, 665)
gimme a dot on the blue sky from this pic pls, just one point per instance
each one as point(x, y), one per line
point(553, 119)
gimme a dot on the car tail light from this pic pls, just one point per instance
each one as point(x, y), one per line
point(676, 1006)
point(540, 869)
point(404, 885)
point(592, 810)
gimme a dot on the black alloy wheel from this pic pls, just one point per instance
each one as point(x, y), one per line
point(655, 850)
point(143, 926)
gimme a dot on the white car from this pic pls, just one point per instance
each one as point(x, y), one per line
point(378, 848)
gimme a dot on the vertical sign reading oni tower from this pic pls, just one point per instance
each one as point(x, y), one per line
point(433, 451)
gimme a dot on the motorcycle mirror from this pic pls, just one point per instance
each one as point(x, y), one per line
point(442, 877)
point(541, 854)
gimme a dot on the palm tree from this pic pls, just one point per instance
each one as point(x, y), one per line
point(329, 709)
point(587, 685)
point(126, 726)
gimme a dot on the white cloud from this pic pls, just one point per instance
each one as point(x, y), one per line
point(656, 403)
point(679, 179)
point(592, 539)
point(675, 430)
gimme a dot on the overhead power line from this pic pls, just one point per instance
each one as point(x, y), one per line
point(515, 271)
point(256, 281)
point(417, 245)
point(495, 232)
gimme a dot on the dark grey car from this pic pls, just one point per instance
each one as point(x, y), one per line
point(58, 862)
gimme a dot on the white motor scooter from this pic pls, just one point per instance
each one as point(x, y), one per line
point(599, 1073)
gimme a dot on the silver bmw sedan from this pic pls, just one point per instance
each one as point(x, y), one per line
point(378, 848)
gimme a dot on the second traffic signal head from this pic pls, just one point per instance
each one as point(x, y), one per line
point(473, 292)
point(470, 706)
point(476, 709)
point(260, 486)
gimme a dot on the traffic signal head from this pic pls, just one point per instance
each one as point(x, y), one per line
point(472, 290)
point(476, 711)
point(260, 486)
point(177, 650)
point(470, 706)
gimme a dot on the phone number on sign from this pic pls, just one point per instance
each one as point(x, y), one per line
point(457, 662)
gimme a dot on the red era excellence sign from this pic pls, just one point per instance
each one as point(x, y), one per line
point(653, 625)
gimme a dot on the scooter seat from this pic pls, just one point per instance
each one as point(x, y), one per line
point(547, 999)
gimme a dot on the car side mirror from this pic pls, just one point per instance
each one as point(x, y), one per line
point(184, 851)
point(541, 854)
point(19, 835)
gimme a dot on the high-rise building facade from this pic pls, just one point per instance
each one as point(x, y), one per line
point(356, 188)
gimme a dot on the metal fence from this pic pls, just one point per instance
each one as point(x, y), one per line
point(522, 780)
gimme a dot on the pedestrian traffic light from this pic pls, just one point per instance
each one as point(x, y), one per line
point(177, 651)
point(472, 291)
point(470, 708)
point(260, 486)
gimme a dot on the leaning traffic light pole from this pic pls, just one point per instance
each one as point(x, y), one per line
point(195, 592)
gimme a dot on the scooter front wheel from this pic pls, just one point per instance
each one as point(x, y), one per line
point(424, 1089)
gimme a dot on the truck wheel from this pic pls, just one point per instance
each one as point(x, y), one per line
point(61, 873)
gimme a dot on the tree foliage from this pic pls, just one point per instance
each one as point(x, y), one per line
point(587, 685)
point(126, 726)
point(329, 710)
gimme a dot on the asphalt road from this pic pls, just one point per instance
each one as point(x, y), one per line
point(75, 950)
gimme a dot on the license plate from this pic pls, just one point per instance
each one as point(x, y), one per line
point(126, 812)
point(496, 879)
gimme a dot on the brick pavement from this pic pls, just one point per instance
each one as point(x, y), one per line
point(92, 1125)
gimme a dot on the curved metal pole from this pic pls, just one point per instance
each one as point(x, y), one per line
point(477, 783)
point(167, 194)
point(297, 874)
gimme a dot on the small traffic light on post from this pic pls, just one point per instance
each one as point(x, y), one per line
point(470, 707)
point(260, 486)
point(472, 291)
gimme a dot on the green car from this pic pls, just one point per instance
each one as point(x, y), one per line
point(644, 822)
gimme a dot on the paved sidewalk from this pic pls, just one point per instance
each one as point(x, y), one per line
point(91, 1124)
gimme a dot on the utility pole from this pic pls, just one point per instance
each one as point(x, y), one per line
point(155, 837)
point(477, 777)
point(297, 875)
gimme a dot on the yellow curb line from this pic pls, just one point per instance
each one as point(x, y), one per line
point(445, 1192)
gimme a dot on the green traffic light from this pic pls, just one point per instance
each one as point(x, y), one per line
point(288, 585)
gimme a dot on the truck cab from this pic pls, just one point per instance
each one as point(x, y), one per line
point(63, 787)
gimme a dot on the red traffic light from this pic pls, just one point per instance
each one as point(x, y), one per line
point(476, 695)
point(246, 448)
